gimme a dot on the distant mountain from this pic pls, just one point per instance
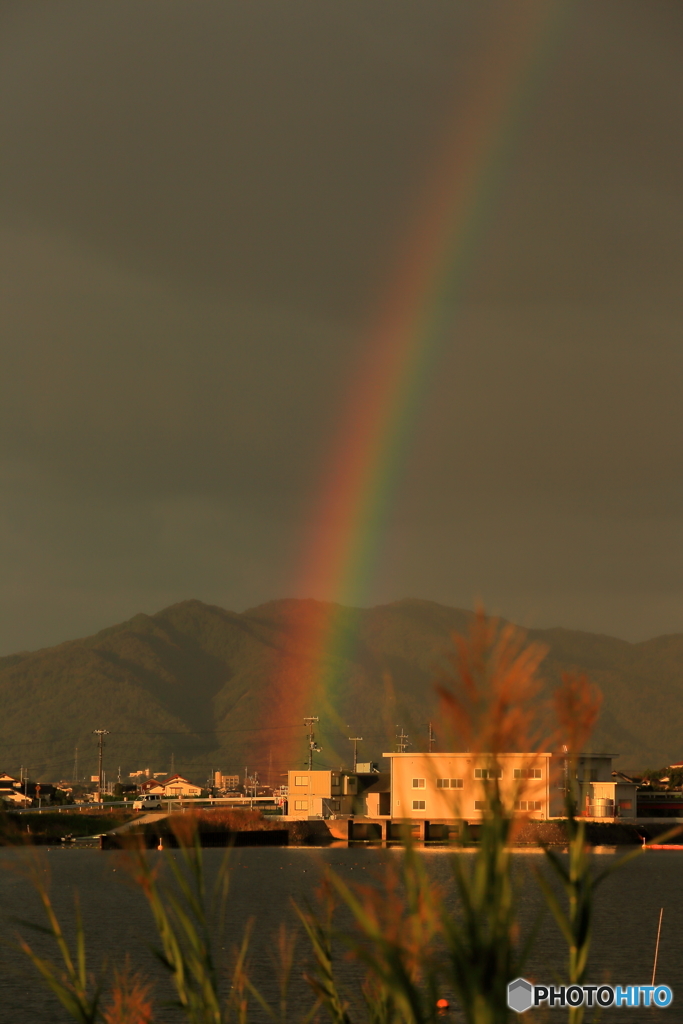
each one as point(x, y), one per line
point(208, 688)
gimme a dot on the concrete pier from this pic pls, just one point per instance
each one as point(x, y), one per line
point(398, 829)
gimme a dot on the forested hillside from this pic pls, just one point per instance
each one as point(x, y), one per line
point(206, 688)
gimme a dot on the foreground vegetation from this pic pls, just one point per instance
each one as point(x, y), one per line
point(412, 948)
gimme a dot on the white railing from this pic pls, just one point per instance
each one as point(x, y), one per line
point(224, 801)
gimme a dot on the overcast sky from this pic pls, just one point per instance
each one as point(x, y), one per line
point(201, 205)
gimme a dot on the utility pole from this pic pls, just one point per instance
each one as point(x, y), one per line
point(75, 778)
point(312, 745)
point(431, 738)
point(172, 764)
point(355, 740)
point(401, 741)
point(100, 733)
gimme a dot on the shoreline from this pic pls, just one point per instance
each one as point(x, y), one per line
point(529, 836)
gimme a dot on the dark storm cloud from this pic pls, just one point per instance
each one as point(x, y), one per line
point(200, 206)
point(258, 148)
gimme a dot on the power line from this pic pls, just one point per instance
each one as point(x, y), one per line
point(401, 741)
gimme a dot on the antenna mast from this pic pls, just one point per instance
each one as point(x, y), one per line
point(431, 738)
point(312, 745)
point(355, 740)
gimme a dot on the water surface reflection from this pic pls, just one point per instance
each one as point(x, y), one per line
point(265, 880)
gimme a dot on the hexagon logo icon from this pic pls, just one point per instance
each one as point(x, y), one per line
point(520, 995)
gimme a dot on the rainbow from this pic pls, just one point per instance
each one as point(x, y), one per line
point(414, 321)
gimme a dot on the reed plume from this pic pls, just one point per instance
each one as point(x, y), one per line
point(129, 1000)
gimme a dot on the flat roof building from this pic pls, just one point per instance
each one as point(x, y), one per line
point(453, 785)
point(331, 794)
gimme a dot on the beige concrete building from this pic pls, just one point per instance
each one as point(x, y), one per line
point(332, 794)
point(320, 794)
point(453, 786)
point(227, 782)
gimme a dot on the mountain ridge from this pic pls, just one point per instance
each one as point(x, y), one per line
point(208, 687)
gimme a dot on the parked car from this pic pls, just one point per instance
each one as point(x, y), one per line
point(148, 802)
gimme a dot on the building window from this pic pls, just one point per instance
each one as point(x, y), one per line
point(480, 805)
point(528, 773)
point(449, 783)
point(625, 805)
point(301, 780)
point(301, 805)
point(488, 773)
point(528, 805)
point(336, 805)
point(418, 805)
point(594, 775)
point(418, 783)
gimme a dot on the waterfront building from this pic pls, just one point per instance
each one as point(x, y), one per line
point(601, 793)
point(333, 794)
point(451, 786)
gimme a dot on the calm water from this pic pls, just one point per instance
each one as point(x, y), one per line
point(118, 923)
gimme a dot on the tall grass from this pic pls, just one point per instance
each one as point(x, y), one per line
point(414, 952)
point(577, 704)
